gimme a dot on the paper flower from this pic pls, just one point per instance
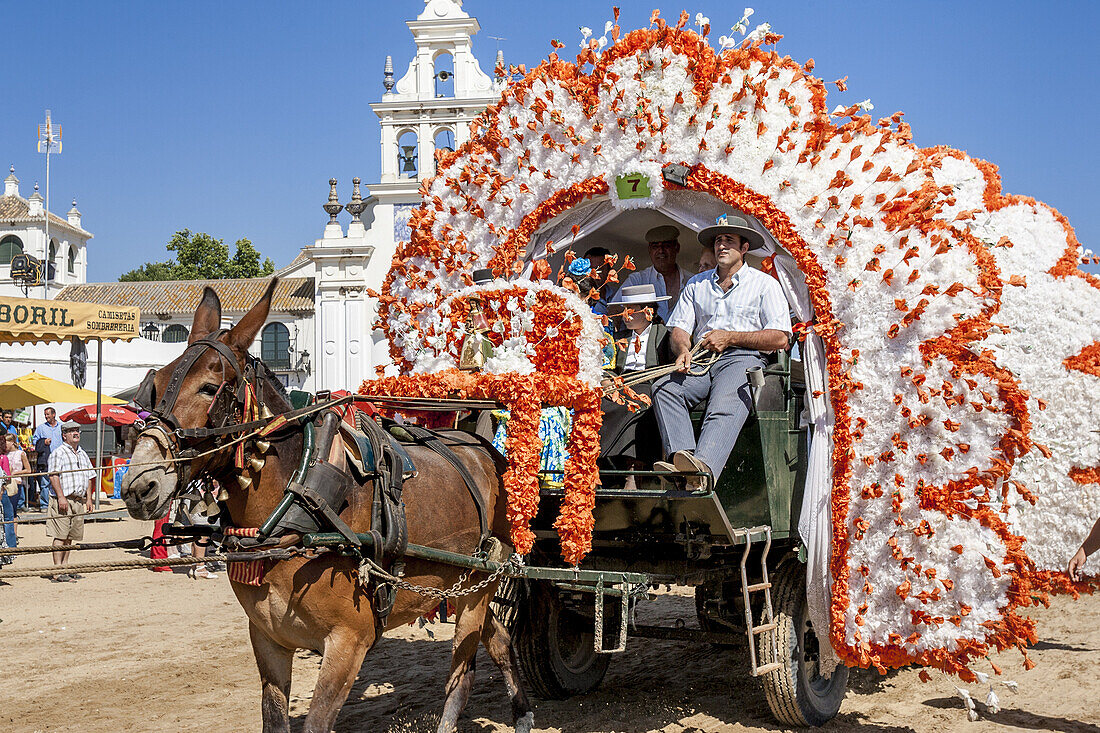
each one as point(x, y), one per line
point(961, 342)
point(580, 267)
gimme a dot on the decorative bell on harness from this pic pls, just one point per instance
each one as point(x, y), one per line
point(476, 347)
point(256, 462)
point(265, 412)
point(244, 481)
point(223, 494)
point(211, 508)
point(263, 446)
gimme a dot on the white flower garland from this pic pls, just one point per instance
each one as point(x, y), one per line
point(925, 572)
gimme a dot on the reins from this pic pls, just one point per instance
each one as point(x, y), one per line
point(699, 364)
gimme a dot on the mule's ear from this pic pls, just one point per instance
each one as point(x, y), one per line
point(208, 316)
point(242, 335)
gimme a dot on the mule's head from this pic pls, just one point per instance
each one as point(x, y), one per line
point(149, 487)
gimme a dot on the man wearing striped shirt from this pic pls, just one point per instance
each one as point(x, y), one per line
point(73, 480)
point(736, 312)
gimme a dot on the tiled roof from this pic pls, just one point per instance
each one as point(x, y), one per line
point(299, 259)
point(17, 209)
point(292, 294)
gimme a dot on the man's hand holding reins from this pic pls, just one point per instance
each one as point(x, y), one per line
point(766, 340)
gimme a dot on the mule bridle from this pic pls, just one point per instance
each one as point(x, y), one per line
point(224, 414)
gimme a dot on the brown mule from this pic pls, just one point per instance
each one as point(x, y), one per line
point(318, 604)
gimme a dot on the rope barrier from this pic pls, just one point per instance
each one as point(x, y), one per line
point(102, 567)
point(32, 520)
point(141, 543)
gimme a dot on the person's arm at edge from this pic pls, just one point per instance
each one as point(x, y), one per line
point(681, 324)
point(681, 347)
point(1089, 546)
point(26, 464)
point(62, 502)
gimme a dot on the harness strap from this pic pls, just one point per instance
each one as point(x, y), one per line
point(431, 440)
point(319, 505)
point(190, 356)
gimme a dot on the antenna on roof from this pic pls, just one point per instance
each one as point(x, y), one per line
point(49, 141)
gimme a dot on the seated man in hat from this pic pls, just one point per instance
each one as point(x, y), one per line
point(736, 312)
point(665, 274)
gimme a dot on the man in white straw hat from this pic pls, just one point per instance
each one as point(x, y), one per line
point(664, 274)
point(736, 312)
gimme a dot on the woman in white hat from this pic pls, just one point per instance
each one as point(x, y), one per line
point(627, 438)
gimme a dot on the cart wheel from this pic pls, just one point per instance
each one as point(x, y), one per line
point(797, 693)
point(555, 647)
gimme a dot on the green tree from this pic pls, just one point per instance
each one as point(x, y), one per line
point(246, 261)
point(200, 256)
point(151, 271)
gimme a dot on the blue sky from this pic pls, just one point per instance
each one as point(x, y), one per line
point(231, 117)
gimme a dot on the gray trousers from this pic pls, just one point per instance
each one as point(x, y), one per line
point(726, 388)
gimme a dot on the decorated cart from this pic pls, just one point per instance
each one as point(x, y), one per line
point(914, 470)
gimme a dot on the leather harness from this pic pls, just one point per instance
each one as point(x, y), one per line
point(322, 492)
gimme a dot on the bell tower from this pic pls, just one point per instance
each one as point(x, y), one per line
point(431, 106)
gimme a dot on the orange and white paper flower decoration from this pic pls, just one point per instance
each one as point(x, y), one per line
point(932, 295)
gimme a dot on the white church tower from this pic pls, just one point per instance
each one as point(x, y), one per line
point(429, 108)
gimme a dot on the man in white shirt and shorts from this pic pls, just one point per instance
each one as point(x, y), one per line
point(736, 312)
point(72, 481)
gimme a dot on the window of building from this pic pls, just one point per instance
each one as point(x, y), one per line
point(444, 139)
point(150, 331)
point(174, 334)
point(10, 246)
point(275, 346)
point(443, 66)
point(72, 260)
point(53, 250)
point(407, 147)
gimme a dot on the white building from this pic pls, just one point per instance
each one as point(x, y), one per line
point(319, 333)
point(428, 109)
point(23, 231)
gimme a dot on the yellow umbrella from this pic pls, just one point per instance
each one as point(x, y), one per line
point(38, 389)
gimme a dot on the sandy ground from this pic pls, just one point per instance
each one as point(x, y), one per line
point(143, 651)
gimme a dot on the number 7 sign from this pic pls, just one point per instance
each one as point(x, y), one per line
point(633, 186)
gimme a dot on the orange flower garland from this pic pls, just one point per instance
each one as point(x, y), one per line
point(524, 396)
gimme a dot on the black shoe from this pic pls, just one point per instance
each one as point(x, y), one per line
point(63, 578)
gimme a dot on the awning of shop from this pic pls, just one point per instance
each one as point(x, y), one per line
point(27, 320)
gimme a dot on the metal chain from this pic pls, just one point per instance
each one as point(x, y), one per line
point(511, 567)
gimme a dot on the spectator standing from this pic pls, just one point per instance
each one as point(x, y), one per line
point(7, 425)
point(18, 466)
point(47, 438)
point(72, 480)
point(7, 501)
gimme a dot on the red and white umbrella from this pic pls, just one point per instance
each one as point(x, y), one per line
point(114, 415)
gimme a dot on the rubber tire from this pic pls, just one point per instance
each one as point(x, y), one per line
point(796, 696)
point(554, 647)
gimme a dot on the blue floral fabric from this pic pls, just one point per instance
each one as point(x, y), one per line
point(554, 426)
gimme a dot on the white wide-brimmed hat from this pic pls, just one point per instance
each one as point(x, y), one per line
point(638, 295)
